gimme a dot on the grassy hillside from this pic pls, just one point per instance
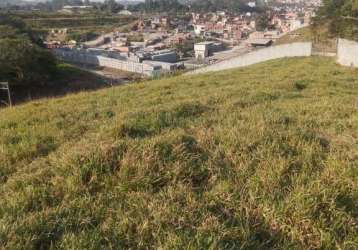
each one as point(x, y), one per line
point(67, 79)
point(254, 158)
point(300, 35)
point(318, 34)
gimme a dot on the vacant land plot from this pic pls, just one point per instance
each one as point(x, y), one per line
point(80, 27)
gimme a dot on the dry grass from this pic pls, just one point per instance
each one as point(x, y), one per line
point(318, 34)
point(301, 35)
point(255, 158)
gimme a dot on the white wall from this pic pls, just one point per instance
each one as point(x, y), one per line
point(77, 56)
point(347, 53)
point(262, 55)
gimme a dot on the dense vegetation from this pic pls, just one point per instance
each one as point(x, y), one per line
point(75, 21)
point(32, 70)
point(22, 59)
point(263, 157)
point(79, 27)
point(159, 6)
point(228, 5)
point(335, 19)
point(108, 5)
point(195, 5)
point(342, 16)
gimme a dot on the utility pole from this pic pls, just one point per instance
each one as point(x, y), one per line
point(5, 86)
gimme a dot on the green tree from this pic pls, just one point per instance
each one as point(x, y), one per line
point(7, 31)
point(161, 6)
point(18, 27)
point(22, 59)
point(341, 16)
point(24, 63)
point(111, 6)
point(216, 5)
point(262, 22)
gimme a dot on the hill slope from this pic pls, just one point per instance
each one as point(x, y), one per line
point(259, 157)
point(318, 34)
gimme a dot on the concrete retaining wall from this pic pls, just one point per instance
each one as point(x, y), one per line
point(78, 56)
point(262, 55)
point(347, 53)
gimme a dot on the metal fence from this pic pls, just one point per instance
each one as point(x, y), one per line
point(4, 86)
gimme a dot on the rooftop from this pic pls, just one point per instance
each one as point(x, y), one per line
point(259, 41)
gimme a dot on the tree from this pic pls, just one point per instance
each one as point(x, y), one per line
point(22, 59)
point(111, 6)
point(19, 28)
point(160, 6)
point(217, 5)
point(7, 31)
point(341, 16)
point(24, 63)
point(262, 22)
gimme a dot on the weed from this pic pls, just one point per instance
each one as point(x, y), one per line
point(298, 85)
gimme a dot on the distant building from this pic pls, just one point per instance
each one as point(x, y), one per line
point(101, 58)
point(75, 8)
point(59, 31)
point(272, 34)
point(124, 49)
point(260, 42)
point(199, 29)
point(206, 49)
point(251, 4)
point(296, 24)
point(202, 50)
point(165, 65)
point(98, 42)
point(125, 13)
point(169, 56)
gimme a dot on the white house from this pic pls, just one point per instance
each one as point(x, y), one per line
point(199, 29)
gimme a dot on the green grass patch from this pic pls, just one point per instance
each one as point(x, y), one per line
point(262, 157)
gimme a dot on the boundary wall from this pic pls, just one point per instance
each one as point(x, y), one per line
point(347, 53)
point(261, 55)
point(84, 57)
